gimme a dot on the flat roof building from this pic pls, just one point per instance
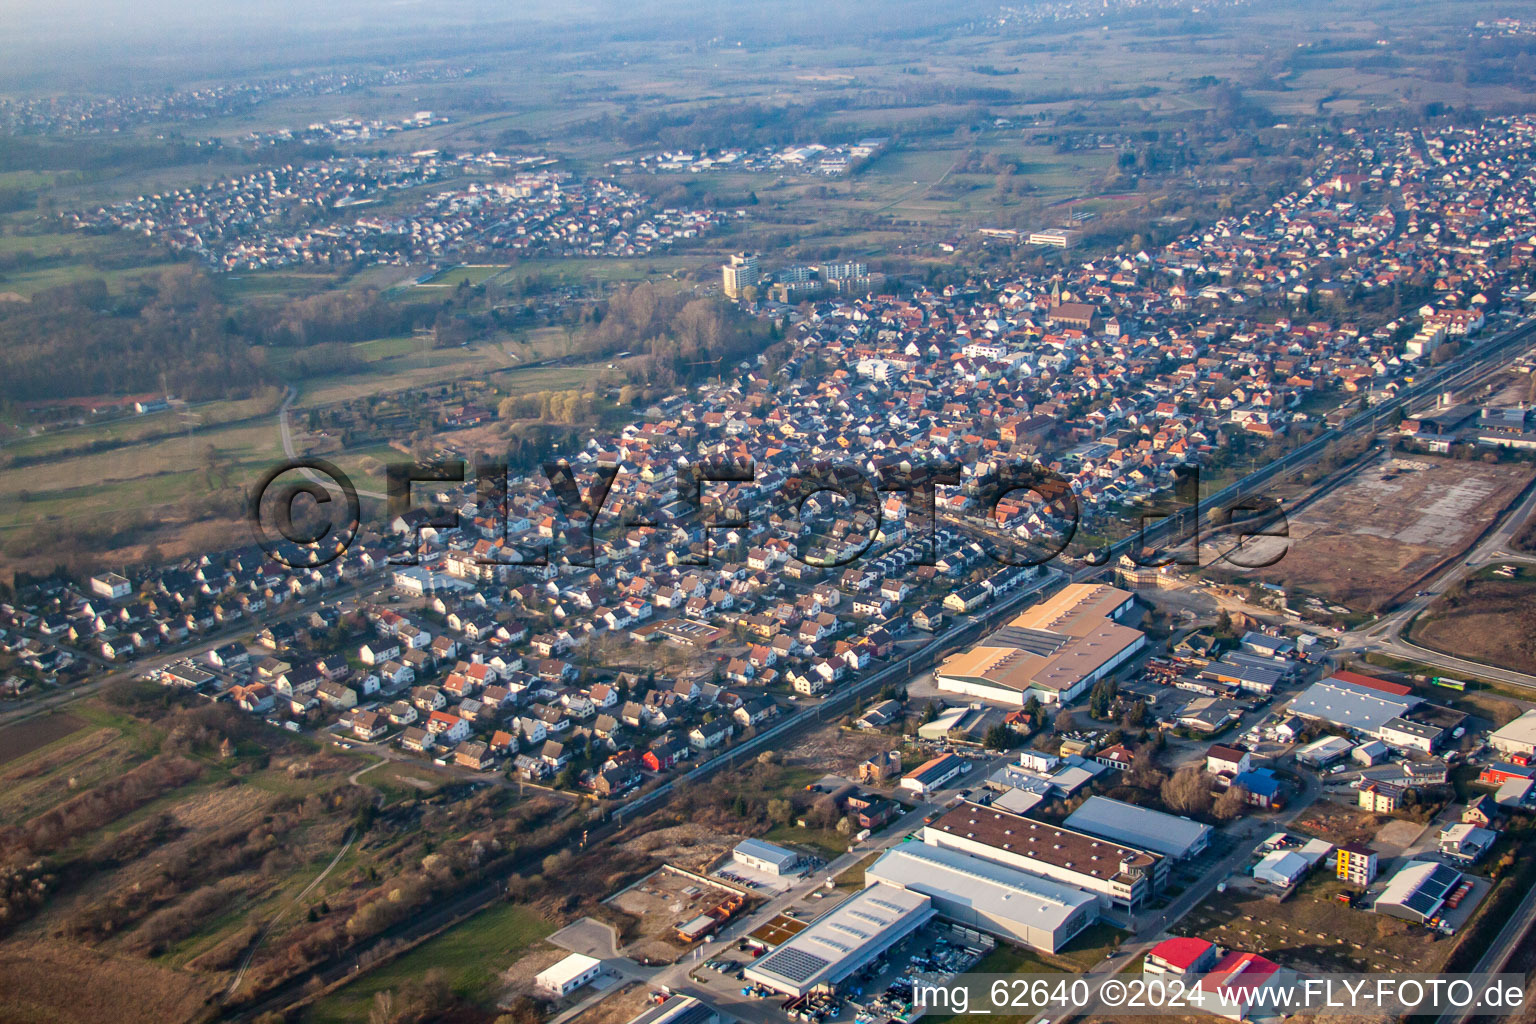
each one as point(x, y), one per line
point(1004, 901)
point(767, 857)
point(679, 1010)
point(1053, 651)
point(1168, 834)
point(1356, 864)
point(1181, 956)
point(843, 940)
point(1518, 737)
point(1117, 874)
point(563, 978)
point(1351, 704)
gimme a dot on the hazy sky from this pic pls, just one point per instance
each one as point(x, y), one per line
point(116, 45)
point(65, 42)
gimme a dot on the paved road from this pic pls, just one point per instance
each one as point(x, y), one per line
point(1500, 950)
point(51, 700)
point(1150, 930)
point(1385, 634)
point(291, 452)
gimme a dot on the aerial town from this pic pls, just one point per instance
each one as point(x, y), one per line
point(865, 608)
point(533, 212)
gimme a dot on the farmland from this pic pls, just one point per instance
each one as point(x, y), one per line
point(1487, 618)
point(150, 794)
point(173, 840)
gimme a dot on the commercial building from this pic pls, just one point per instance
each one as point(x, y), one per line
point(1355, 702)
point(965, 720)
point(1251, 677)
point(1357, 864)
point(1406, 735)
point(565, 977)
point(991, 897)
point(1232, 988)
point(1054, 651)
point(842, 941)
point(679, 1010)
point(766, 857)
point(1270, 646)
point(1182, 957)
point(1324, 751)
point(1119, 875)
point(1281, 868)
point(1419, 892)
point(1143, 827)
point(1046, 774)
point(934, 774)
point(1518, 737)
point(1369, 753)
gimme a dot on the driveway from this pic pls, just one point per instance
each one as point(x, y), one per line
point(589, 936)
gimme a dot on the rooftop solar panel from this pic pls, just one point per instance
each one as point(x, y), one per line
point(795, 964)
point(1034, 641)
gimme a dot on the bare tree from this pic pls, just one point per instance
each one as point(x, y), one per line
point(1231, 803)
point(1188, 792)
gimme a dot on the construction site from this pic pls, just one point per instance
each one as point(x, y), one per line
point(673, 909)
point(1394, 522)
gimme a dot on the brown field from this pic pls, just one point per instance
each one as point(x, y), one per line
point(1367, 541)
point(1339, 824)
point(1494, 622)
point(24, 737)
point(834, 751)
point(100, 987)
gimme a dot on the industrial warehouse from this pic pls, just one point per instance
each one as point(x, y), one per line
point(1054, 651)
point(1116, 874)
point(990, 897)
point(1167, 834)
point(845, 939)
point(1422, 892)
point(1353, 702)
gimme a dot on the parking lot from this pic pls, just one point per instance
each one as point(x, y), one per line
point(738, 873)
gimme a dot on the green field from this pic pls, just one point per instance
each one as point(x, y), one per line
point(472, 953)
point(470, 274)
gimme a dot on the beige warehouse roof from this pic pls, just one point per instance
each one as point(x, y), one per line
point(1051, 646)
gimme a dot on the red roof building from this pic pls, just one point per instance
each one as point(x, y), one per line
point(1229, 989)
point(1180, 956)
point(1396, 689)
